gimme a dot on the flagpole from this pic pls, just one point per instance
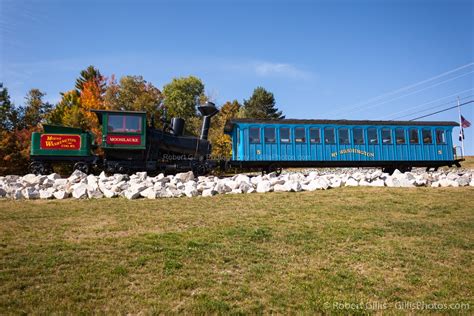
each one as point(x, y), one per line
point(460, 128)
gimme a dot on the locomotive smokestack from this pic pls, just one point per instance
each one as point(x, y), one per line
point(207, 110)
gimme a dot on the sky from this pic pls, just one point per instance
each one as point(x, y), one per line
point(321, 59)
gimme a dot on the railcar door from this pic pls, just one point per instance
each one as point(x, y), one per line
point(330, 146)
point(414, 150)
point(286, 145)
point(359, 142)
point(388, 149)
point(255, 143)
point(301, 144)
point(345, 151)
point(270, 151)
point(443, 150)
point(315, 146)
point(401, 147)
point(373, 143)
point(428, 147)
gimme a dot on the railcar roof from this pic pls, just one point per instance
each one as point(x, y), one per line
point(118, 111)
point(230, 124)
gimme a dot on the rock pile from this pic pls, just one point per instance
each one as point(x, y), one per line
point(140, 185)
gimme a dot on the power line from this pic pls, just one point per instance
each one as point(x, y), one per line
point(426, 103)
point(431, 108)
point(444, 110)
point(410, 93)
point(403, 88)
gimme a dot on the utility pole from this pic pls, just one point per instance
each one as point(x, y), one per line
point(461, 132)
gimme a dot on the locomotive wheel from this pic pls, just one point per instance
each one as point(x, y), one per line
point(82, 166)
point(38, 168)
point(199, 170)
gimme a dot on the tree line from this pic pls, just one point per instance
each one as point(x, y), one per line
point(92, 90)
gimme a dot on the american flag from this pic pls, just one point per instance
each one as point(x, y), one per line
point(465, 123)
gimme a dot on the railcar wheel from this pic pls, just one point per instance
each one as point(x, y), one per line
point(82, 166)
point(275, 168)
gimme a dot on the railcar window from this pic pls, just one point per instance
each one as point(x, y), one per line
point(284, 135)
point(414, 136)
point(427, 136)
point(358, 135)
point(329, 137)
point(400, 136)
point(124, 123)
point(300, 135)
point(344, 136)
point(372, 136)
point(315, 135)
point(440, 136)
point(254, 135)
point(386, 136)
point(269, 135)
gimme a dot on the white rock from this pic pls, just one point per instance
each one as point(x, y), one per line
point(462, 181)
point(17, 194)
point(3, 193)
point(209, 192)
point(185, 176)
point(76, 176)
point(30, 178)
point(45, 194)
point(54, 176)
point(245, 187)
point(377, 183)
point(30, 193)
point(256, 180)
point(281, 188)
point(79, 191)
point(61, 194)
point(190, 191)
point(94, 194)
point(295, 186)
point(335, 183)
point(103, 176)
point(242, 178)
point(109, 193)
point(435, 184)
point(264, 186)
point(147, 191)
point(351, 182)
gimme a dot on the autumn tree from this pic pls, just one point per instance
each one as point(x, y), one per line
point(133, 93)
point(222, 143)
point(261, 105)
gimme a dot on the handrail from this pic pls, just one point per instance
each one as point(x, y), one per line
point(457, 155)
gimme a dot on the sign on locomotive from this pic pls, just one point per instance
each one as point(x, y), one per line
point(130, 145)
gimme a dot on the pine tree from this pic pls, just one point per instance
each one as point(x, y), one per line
point(261, 105)
point(35, 109)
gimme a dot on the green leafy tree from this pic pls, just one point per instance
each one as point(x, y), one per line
point(181, 96)
point(35, 109)
point(133, 93)
point(261, 105)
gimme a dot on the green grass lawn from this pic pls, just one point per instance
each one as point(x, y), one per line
point(256, 253)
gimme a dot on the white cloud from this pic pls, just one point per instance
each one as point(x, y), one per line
point(265, 69)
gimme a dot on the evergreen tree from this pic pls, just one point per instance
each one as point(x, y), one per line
point(9, 116)
point(261, 105)
point(35, 109)
point(90, 74)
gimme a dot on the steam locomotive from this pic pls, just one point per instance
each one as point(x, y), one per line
point(130, 145)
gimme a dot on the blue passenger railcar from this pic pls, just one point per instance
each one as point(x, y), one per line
point(271, 144)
